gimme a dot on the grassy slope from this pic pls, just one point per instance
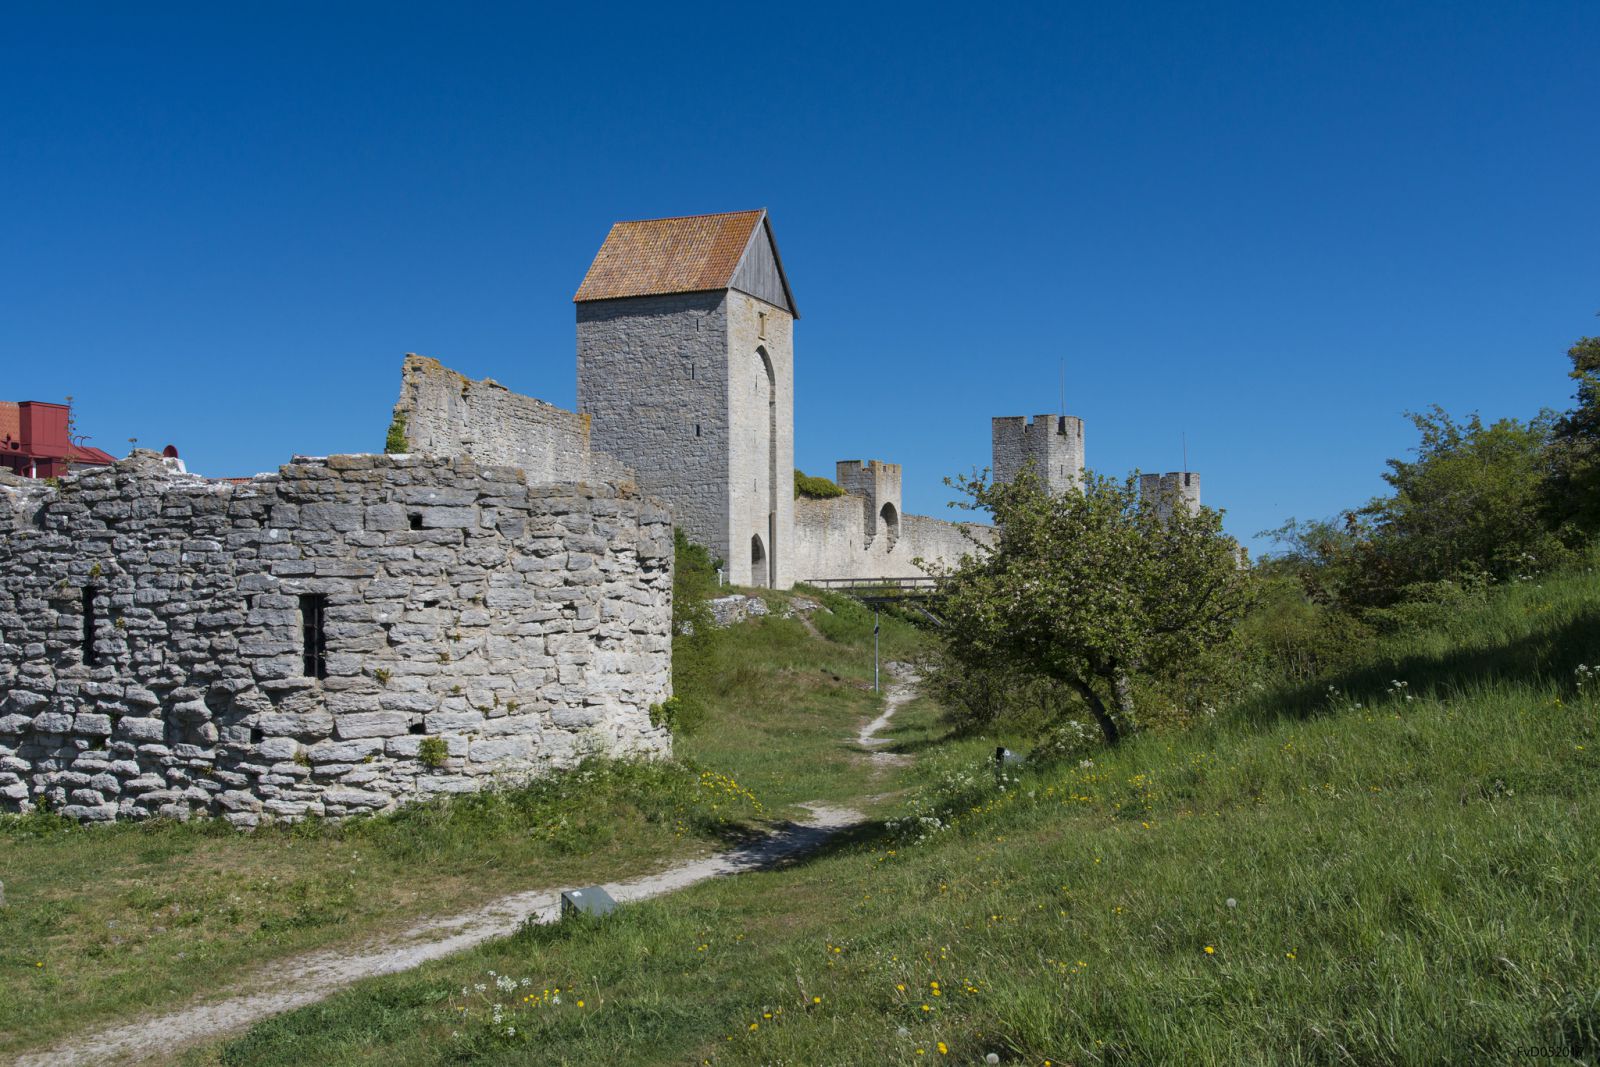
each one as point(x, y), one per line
point(106, 922)
point(1411, 882)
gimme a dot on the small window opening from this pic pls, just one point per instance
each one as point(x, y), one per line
point(691, 372)
point(418, 728)
point(90, 624)
point(416, 520)
point(697, 429)
point(761, 324)
point(313, 620)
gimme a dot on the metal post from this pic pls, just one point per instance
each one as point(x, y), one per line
point(874, 648)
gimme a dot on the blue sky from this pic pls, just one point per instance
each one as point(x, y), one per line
point(1263, 230)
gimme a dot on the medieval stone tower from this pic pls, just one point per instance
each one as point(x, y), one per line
point(1175, 489)
point(686, 369)
point(1054, 443)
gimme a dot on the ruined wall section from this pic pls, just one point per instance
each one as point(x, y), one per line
point(653, 377)
point(476, 628)
point(831, 541)
point(449, 414)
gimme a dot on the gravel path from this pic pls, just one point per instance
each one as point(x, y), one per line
point(302, 980)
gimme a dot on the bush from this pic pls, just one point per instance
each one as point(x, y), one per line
point(432, 752)
point(815, 488)
point(678, 715)
point(694, 631)
point(396, 442)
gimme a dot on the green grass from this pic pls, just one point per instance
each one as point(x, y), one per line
point(111, 922)
point(1312, 879)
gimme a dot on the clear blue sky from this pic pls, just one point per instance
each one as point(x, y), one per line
point(1270, 229)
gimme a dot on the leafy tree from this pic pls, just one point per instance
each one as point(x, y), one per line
point(1469, 505)
point(1090, 588)
point(1573, 493)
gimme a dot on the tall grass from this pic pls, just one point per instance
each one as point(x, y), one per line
point(1381, 874)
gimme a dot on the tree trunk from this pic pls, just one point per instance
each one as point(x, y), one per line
point(1108, 725)
point(1122, 686)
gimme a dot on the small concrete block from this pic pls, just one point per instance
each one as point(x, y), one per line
point(591, 901)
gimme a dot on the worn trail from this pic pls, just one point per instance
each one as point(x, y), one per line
point(294, 983)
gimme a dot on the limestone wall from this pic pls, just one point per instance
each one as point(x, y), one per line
point(653, 377)
point(831, 541)
point(521, 626)
point(449, 414)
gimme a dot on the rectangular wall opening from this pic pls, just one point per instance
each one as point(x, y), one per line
point(91, 623)
point(314, 637)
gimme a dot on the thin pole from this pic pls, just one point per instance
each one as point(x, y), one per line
point(874, 648)
point(1063, 410)
point(1184, 437)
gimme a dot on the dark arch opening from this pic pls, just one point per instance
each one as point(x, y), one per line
point(770, 567)
point(758, 562)
point(891, 523)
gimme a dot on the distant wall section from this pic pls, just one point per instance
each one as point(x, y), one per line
point(831, 541)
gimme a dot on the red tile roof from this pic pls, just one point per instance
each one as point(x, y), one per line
point(91, 455)
point(653, 257)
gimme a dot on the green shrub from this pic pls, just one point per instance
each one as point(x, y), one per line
point(396, 442)
point(678, 715)
point(432, 752)
point(815, 488)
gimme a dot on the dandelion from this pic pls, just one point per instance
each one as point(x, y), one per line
point(1231, 902)
point(580, 1003)
point(1211, 950)
point(944, 1050)
point(816, 1000)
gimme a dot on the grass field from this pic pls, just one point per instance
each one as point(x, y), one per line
point(1377, 873)
point(112, 922)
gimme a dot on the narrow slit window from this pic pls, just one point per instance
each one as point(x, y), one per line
point(761, 324)
point(313, 620)
point(91, 623)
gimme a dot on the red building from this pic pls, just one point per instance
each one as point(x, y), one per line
point(35, 443)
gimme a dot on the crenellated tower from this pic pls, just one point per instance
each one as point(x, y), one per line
point(1052, 443)
point(1167, 491)
point(878, 485)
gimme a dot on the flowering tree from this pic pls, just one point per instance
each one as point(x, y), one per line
point(1090, 588)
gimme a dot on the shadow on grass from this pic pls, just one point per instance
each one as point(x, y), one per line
point(1547, 656)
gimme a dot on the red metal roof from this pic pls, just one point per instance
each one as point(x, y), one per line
point(654, 257)
point(95, 457)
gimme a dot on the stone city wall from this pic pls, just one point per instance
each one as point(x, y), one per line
point(831, 541)
point(154, 635)
point(449, 414)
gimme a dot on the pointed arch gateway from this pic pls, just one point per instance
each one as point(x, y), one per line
point(758, 563)
point(766, 451)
